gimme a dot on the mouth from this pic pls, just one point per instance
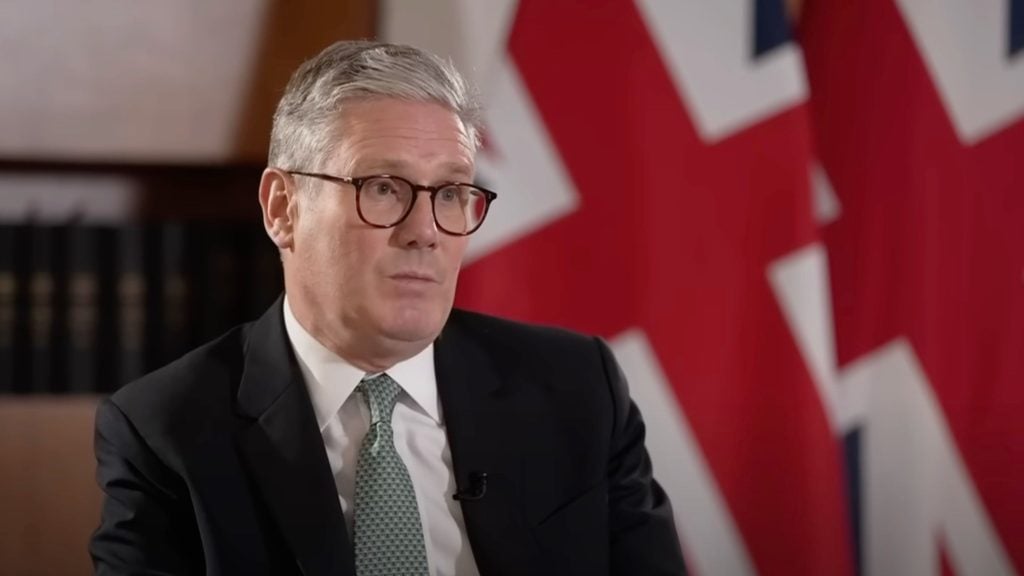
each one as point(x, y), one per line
point(414, 278)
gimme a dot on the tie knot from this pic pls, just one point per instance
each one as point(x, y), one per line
point(381, 393)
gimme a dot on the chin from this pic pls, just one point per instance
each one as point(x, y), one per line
point(413, 324)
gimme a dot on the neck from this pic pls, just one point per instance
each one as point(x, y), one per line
point(370, 353)
point(379, 357)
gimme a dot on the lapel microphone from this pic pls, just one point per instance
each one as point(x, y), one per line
point(477, 488)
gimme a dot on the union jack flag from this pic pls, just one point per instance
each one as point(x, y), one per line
point(801, 227)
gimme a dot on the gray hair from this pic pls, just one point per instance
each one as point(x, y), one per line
point(305, 128)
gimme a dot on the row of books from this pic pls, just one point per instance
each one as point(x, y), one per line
point(87, 308)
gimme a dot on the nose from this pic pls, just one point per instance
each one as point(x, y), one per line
point(418, 230)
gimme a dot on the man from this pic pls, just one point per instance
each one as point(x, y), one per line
point(362, 426)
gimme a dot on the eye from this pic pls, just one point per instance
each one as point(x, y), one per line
point(381, 187)
point(449, 194)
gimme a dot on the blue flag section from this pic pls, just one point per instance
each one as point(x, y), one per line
point(771, 26)
point(1016, 27)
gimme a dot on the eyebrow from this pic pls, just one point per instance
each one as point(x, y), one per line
point(399, 168)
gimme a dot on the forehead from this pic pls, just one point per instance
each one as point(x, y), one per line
point(388, 134)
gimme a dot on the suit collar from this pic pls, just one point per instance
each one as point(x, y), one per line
point(284, 451)
point(329, 378)
point(483, 414)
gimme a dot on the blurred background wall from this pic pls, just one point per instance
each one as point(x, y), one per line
point(132, 137)
point(800, 224)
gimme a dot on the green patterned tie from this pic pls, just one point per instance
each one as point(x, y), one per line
point(388, 533)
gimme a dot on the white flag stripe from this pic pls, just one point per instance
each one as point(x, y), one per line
point(800, 282)
point(826, 204)
point(918, 491)
point(965, 46)
point(708, 50)
point(472, 33)
point(526, 170)
point(916, 488)
point(711, 541)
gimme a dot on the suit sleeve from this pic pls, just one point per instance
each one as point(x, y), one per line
point(145, 519)
point(643, 538)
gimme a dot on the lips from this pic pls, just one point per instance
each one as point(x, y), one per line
point(414, 276)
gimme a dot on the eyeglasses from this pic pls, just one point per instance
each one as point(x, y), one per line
point(384, 201)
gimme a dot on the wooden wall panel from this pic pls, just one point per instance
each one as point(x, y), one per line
point(294, 30)
point(49, 500)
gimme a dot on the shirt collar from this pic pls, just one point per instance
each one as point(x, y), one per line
point(330, 379)
point(416, 376)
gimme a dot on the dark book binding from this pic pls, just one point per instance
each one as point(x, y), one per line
point(9, 288)
point(46, 292)
point(175, 333)
point(131, 290)
point(83, 309)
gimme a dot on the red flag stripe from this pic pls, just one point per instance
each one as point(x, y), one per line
point(930, 245)
point(675, 237)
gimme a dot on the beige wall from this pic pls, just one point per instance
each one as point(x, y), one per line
point(157, 82)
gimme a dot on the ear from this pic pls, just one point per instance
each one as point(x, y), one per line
point(279, 203)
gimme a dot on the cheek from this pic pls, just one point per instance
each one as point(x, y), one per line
point(332, 247)
point(454, 256)
point(355, 262)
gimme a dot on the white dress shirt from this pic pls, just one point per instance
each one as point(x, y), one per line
point(344, 417)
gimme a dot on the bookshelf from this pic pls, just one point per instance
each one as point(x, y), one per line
point(130, 229)
point(133, 138)
point(90, 300)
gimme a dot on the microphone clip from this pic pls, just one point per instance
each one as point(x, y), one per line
point(476, 490)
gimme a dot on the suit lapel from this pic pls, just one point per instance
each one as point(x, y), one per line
point(284, 451)
point(482, 432)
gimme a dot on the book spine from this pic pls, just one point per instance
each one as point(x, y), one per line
point(131, 303)
point(8, 308)
point(220, 307)
point(42, 317)
point(176, 292)
point(82, 310)
point(22, 259)
point(108, 350)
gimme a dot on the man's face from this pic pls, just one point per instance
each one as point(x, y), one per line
point(367, 286)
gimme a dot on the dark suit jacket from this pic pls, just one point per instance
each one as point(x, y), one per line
point(215, 464)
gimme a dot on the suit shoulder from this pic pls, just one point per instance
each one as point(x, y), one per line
point(526, 338)
point(201, 381)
